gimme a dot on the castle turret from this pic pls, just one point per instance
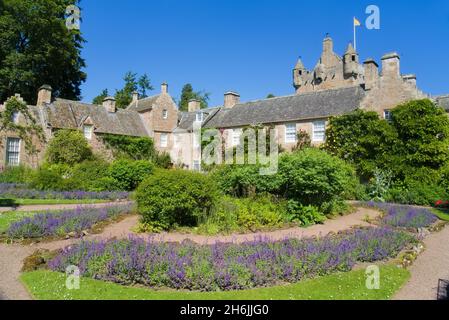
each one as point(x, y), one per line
point(350, 62)
point(299, 73)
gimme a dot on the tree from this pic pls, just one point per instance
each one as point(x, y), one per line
point(37, 48)
point(144, 84)
point(26, 128)
point(133, 84)
point(68, 147)
point(98, 100)
point(270, 96)
point(188, 94)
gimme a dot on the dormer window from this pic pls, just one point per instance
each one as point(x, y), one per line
point(199, 117)
point(88, 130)
point(165, 114)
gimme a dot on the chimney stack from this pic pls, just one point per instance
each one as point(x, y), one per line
point(411, 79)
point(164, 88)
point(135, 97)
point(391, 65)
point(371, 73)
point(109, 104)
point(194, 105)
point(44, 95)
point(231, 99)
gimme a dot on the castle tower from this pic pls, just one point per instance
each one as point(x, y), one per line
point(299, 73)
point(351, 62)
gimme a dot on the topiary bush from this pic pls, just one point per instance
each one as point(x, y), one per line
point(68, 147)
point(171, 198)
point(129, 174)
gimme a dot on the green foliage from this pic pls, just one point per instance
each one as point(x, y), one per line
point(313, 177)
point(27, 128)
point(133, 84)
point(379, 185)
point(304, 215)
point(129, 174)
point(98, 100)
point(175, 197)
point(68, 147)
point(48, 178)
point(36, 47)
point(303, 140)
point(19, 174)
point(188, 94)
point(362, 139)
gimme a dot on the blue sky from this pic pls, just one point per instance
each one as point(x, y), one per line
point(251, 46)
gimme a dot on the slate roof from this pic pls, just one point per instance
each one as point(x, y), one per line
point(313, 105)
point(144, 104)
point(67, 114)
point(188, 118)
point(443, 101)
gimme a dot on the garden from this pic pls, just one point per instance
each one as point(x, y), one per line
point(398, 168)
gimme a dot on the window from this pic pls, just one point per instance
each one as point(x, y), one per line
point(387, 115)
point(13, 151)
point(319, 131)
point(164, 114)
point(290, 133)
point(87, 130)
point(199, 117)
point(236, 134)
point(15, 117)
point(196, 165)
point(164, 140)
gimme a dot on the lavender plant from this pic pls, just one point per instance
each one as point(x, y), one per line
point(228, 266)
point(62, 223)
point(404, 216)
point(18, 191)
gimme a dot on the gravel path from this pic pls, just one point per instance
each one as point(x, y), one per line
point(431, 265)
point(12, 256)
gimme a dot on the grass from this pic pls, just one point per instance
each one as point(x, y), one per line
point(442, 214)
point(47, 285)
point(27, 202)
point(7, 218)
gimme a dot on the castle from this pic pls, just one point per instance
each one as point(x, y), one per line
point(337, 85)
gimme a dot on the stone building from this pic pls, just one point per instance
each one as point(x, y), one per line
point(335, 86)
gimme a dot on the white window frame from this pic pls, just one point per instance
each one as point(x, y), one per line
point(165, 114)
point(164, 141)
point(319, 131)
point(199, 117)
point(16, 151)
point(290, 133)
point(88, 131)
point(196, 165)
point(387, 115)
point(236, 135)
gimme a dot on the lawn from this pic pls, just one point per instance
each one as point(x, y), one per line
point(47, 285)
point(7, 218)
point(442, 214)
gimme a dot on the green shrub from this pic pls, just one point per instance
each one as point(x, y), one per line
point(85, 176)
point(19, 174)
point(47, 178)
point(68, 147)
point(175, 198)
point(304, 215)
point(313, 177)
point(129, 174)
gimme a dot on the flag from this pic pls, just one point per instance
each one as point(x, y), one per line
point(356, 22)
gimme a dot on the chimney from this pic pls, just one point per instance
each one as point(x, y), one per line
point(194, 105)
point(411, 79)
point(164, 88)
point(231, 99)
point(44, 95)
point(109, 104)
point(328, 55)
point(135, 97)
point(371, 73)
point(390, 65)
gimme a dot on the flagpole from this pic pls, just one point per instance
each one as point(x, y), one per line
point(355, 39)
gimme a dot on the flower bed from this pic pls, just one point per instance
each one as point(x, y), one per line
point(440, 204)
point(63, 223)
point(228, 266)
point(18, 191)
point(404, 216)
